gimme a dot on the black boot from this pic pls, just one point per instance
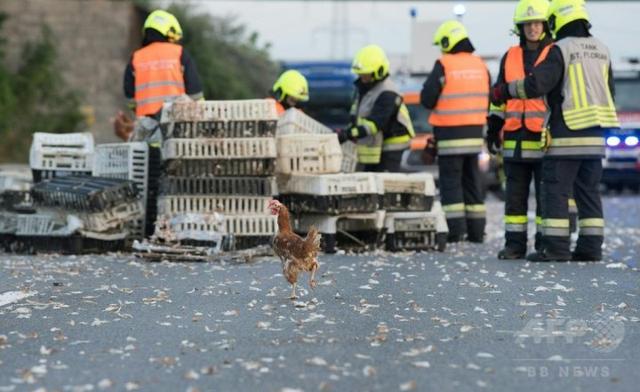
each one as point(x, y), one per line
point(578, 256)
point(510, 254)
point(546, 257)
point(455, 237)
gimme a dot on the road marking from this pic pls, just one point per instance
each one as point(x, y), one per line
point(12, 296)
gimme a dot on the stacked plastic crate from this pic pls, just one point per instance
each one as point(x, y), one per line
point(15, 185)
point(413, 220)
point(219, 160)
point(77, 214)
point(55, 155)
point(343, 206)
point(128, 161)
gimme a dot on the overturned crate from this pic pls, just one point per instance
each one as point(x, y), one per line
point(348, 231)
point(205, 230)
point(300, 153)
point(406, 192)
point(249, 231)
point(128, 161)
point(416, 230)
point(89, 194)
point(330, 194)
point(54, 155)
point(218, 119)
point(349, 157)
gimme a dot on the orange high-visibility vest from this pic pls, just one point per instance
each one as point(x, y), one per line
point(158, 76)
point(534, 111)
point(279, 108)
point(464, 99)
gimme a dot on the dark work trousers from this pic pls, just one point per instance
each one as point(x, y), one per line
point(559, 176)
point(518, 181)
point(461, 196)
point(389, 162)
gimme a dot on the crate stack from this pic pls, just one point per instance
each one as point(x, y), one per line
point(15, 185)
point(413, 220)
point(56, 155)
point(219, 161)
point(76, 214)
point(137, 162)
point(343, 206)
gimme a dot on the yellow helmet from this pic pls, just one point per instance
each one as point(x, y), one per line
point(561, 12)
point(449, 34)
point(531, 11)
point(165, 23)
point(371, 60)
point(291, 84)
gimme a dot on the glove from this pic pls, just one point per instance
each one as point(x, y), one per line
point(493, 139)
point(430, 152)
point(342, 135)
point(545, 139)
point(499, 94)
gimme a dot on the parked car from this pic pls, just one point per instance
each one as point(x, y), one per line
point(622, 157)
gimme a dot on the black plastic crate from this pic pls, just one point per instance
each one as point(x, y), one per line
point(220, 167)
point(10, 199)
point(218, 129)
point(416, 240)
point(84, 193)
point(332, 205)
point(153, 189)
point(366, 241)
point(41, 175)
point(405, 202)
point(227, 186)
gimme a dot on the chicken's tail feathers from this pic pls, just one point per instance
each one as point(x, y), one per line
point(313, 239)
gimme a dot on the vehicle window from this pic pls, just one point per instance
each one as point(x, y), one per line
point(627, 94)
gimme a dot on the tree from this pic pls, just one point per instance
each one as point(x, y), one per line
point(229, 60)
point(34, 99)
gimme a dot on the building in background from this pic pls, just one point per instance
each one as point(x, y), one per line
point(94, 40)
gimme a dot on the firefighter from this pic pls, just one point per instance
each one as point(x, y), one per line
point(290, 88)
point(160, 71)
point(457, 92)
point(577, 81)
point(516, 126)
point(380, 124)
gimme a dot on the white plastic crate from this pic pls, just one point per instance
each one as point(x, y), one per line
point(349, 157)
point(62, 152)
point(205, 148)
point(47, 224)
point(237, 110)
point(433, 220)
point(328, 224)
point(251, 225)
point(416, 183)
point(329, 184)
point(195, 227)
point(128, 161)
point(15, 178)
point(308, 154)
point(113, 218)
point(228, 205)
point(295, 121)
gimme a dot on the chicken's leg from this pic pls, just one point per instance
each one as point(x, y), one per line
point(293, 292)
point(312, 280)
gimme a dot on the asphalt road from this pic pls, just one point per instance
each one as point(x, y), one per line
point(456, 321)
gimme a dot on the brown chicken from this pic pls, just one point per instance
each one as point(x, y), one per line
point(297, 254)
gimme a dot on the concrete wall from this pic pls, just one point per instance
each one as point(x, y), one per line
point(95, 39)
